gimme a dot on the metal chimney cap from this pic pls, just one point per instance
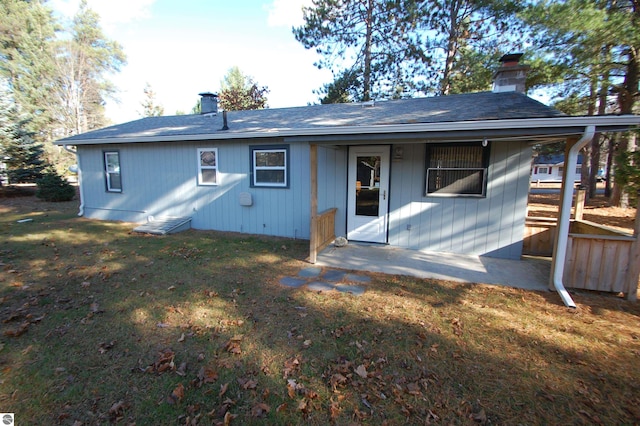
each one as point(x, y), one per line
point(511, 57)
point(203, 94)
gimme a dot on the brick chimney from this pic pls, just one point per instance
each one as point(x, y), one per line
point(511, 76)
point(208, 103)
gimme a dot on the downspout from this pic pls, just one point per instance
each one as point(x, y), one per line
point(565, 215)
point(81, 208)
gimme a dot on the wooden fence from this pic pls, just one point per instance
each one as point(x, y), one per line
point(323, 232)
point(598, 258)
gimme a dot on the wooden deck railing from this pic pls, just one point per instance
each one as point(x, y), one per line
point(322, 232)
point(598, 258)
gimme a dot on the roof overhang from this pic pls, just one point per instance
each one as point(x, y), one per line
point(541, 129)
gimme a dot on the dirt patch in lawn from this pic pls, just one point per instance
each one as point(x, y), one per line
point(100, 325)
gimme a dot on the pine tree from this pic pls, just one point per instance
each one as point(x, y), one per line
point(240, 92)
point(23, 155)
point(27, 34)
point(83, 62)
point(149, 106)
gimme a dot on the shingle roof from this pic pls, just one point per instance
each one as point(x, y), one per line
point(454, 108)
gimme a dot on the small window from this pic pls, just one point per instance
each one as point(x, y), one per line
point(457, 169)
point(207, 166)
point(270, 166)
point(543, 170)
point(578, 170)
point(112, 171)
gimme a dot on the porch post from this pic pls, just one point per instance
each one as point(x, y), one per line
point(567, 185)
point(313, 169)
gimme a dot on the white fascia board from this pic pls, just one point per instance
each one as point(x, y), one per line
point(601, 122)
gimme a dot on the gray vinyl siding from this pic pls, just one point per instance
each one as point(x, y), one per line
point(491, 226)
point(161, 180)
point(332, 184)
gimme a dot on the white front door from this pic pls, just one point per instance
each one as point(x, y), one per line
point(368, 189)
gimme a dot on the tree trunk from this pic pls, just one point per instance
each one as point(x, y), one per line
point(452, 44)
point(626, 99)
point(595, 142)
point(610, 152)
point(366, 95)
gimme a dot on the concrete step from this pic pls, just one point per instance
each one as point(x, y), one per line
point(164, 225)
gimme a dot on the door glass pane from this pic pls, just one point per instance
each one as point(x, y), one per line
point(368, 186)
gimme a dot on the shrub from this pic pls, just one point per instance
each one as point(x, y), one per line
point(53, 187)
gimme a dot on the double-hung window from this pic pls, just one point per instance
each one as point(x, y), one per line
point(457, 169)
point(207, 166)
point(112, 171)
point(270, 166)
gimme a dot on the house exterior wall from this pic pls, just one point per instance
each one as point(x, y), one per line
point(491, 226)
point(332, 184)
point(551, 173)
point(161, 180)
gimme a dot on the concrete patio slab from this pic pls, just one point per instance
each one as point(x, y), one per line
point(527, 273)
point(320, 286)
point(292, 282)
point(310, 272)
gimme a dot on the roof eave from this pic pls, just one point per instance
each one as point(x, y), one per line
point(566, 125)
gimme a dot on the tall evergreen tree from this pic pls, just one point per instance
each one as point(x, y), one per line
point(21, 154)
point(240, 92)
point(27, 33)
point(150, 107)
point(359, 38)
point(598, 49)
point(444, 35)
point(83, 64)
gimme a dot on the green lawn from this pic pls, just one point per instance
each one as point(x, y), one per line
point(101, 325)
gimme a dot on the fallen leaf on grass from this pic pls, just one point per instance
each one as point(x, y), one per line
point(182, 370)
point(165, 362)
point(208, 375)
point(228, 417)
point(116, 412)
point(290, 366)
point(306, 344)
point(479, 417)
point(106, 346)
point(246, 383)
point(361, 371)
point(176, 395)
point(334, 410)
point(16, 332)
point(223, 389)
point(457, 326)
point(181, 339)
point(337, 379)
point(413, 388)
point(233, 345)
point(260, 410)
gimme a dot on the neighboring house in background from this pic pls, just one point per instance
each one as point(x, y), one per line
point(549, 168)
point(447, 173)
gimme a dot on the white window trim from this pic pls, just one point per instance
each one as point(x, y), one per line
point(108, 173)
point(201, 167)
point(256, 168)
